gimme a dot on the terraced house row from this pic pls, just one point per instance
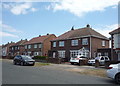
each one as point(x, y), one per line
point(83, 41)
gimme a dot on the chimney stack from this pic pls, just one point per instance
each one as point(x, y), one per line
point(88, 26)
point(72, 28)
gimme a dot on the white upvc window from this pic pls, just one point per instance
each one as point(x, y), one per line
point(74, 42)
point(61, 54)
point(25, 46)
point(12, 48)
point(35, 45)
point(85, 41)
point(29, 46)
point(74, 53)
point(54, 44)
point(103, 43)
point(61, 43)
point(15, 48)
point(116, 41)
point(36, 53)
point(40, 45)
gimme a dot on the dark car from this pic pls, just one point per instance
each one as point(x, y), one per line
point(23, 60)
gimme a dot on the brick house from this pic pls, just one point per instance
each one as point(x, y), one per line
point(39, 46)
point(17, 48)
point(6, 49)
point(83, 41)
point(115, 42)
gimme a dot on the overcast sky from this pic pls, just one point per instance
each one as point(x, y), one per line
point(25, 20)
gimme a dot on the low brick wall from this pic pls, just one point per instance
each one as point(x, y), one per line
point(83, 62)
point(54, 60)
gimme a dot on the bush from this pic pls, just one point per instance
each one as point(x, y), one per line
point(40, 57)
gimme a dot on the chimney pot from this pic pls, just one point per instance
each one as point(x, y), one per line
point(88, 25)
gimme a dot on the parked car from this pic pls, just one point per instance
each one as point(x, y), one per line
point(114, 72)
point(76, 59)
point(23, 60)
point(101, 60)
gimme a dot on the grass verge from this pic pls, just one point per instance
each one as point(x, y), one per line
point(41, 64)
point(95, 72)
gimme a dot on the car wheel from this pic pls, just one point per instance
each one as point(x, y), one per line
point(72, 63)
point(14, 62)
point(22, 63)
point(79, 63)
point(117, 78)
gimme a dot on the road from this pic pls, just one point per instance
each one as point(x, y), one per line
point(14, 74)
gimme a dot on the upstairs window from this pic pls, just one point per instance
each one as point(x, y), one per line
point(18, 48)
point(35, 45)
point(29, 46)
point(74, 42)
point(61, 43)
point(54, 44)
point(12, 48)
point(103, 43)
point(40, 45)
point(85, 41)
point(25, 46)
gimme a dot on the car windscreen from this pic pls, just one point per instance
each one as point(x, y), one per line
point(26, 57)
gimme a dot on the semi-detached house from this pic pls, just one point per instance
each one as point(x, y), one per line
point(83, 41)
point(39, 46)
point(115, 42)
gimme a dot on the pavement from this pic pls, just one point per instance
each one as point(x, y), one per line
point(52, 74)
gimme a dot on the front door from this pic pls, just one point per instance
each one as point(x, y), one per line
point(54, 54)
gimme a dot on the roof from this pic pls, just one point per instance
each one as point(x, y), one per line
point(82, 32)
point(39, 39)
point(8, 44)
point(21, 42)
point(115, 31)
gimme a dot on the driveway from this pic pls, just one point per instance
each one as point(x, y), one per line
point(52, 74)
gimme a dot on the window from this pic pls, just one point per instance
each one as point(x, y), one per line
point(54, 44)
point(36, 53)
point(85, 41)
point(18, 48)
point(106, 54)
point(35, 45)
point(15, 48)
point(61, 43)
point(40, 45)
point(25, 46)
point(12, 48)
point(73, 53)
point(29, 46)
point(61, 54)
point(103, 43)
point(74, 42)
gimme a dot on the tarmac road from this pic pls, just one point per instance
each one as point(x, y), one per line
point(15, 74)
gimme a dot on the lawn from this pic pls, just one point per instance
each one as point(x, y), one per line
point(41, 64)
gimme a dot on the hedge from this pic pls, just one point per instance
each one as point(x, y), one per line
point(40, 57)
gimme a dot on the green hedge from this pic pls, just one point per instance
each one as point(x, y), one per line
point(40, 57)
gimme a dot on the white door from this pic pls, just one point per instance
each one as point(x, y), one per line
point(53, 54)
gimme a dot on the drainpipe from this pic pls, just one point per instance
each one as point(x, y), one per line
point(90, 46)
